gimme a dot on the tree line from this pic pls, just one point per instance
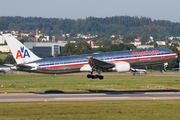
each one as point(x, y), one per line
point(8, 60)
point(123, 25)
point(85, 48)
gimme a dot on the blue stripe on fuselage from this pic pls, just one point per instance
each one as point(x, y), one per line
point(108, 58)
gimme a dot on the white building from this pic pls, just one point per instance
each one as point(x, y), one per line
point(67, 35)
point(178, 38)
point(1, 40)
point(113, 36)
point(170, 38)
point(151, 38)
point(72, 41)
point(145, 46)
point(161, 42)
point(47, 37)
point(136, 43)
point(136, 40)
point(4, 48)
point(44, 39)
point(53, 39)
point(1, 48)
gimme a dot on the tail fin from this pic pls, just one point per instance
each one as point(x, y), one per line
point(20, 53)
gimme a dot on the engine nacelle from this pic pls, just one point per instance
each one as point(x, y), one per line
point(122, 67)
point(86, 68)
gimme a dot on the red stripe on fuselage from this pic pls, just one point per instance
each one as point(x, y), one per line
point(128, 59)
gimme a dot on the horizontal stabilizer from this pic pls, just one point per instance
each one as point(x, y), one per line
point(24, 66)
point(9, 65)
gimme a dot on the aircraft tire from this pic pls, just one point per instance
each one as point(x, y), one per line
point(101, 77)
point(89, 76)
point(93, 77)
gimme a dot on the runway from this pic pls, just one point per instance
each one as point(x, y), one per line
point(105, 96)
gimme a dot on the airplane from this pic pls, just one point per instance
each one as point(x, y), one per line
point(5, 70)
point(119, 61)
point(138, 71)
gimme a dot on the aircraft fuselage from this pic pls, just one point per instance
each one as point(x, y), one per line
point(68, 64)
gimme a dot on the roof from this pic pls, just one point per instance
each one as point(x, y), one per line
point(30, 45)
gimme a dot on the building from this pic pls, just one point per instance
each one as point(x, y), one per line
point(4, 48)
point(178, 48)
point(170, 38)
point(90, 42)
point(1, 40)
point(136, 43)
point(162, 43)
point(60, 39)
point(1, 48)
point(45, 49)
point(72, 41)
point(145, 46)
point(53, 39)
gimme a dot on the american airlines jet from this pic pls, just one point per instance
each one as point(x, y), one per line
point(119, 61)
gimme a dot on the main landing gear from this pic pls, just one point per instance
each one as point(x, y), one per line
point(95, 76)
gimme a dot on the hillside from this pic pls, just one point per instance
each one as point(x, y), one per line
point(122, 25)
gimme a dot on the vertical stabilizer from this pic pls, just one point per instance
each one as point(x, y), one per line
point(20, 53)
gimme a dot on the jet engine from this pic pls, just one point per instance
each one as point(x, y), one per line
point(122, 66)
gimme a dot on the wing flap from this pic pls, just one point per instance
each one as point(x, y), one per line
point(93, 62)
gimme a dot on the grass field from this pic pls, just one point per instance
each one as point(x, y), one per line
point(79, 83)
point(104, 110)
point(114, 110)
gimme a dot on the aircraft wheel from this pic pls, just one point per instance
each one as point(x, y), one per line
point(133, 73)
point(101, 77)
point(93, 77)
point(89, 76)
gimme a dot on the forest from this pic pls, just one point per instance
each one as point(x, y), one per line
point(117, 25)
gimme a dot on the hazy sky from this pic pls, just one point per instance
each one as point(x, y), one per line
point(74, 9)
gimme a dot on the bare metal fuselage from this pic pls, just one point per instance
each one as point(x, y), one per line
point(69, 64)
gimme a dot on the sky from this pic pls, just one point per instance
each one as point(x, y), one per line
point(75, 9)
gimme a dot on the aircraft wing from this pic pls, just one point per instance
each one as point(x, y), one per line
point(96, 63)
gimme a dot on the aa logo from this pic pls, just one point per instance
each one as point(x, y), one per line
point(22, 53)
